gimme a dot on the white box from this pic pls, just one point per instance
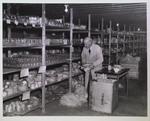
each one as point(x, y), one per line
point(104, 95)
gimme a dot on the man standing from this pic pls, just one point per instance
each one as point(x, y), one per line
point(92, 59)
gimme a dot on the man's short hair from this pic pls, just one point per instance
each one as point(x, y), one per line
point(88, 38)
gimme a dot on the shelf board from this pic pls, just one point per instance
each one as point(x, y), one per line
point(77, 74)
point(26, 27)
point(58, 45)
point(63, 46)
point(57, 30)
point(113, 43)
point(13, 70)
point(32, 109)
point(139, 32)
point(78, 45)
point(10, 70)
point(19, 94)
point(35, 47)
point(21, 46)
point(96, 32)
point(48, 28)
point(29, 26)
point(12, 96)
point(23, 113)
point(80, 31)
point(40, 47)
point(51, 28)
point(86, 31)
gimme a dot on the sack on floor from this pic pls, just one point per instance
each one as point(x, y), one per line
point(70, 100)
point(81, 93)
point(75, 99)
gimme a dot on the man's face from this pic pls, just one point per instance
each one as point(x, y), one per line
point(87, 43)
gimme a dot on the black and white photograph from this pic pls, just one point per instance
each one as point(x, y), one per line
point(74, 59)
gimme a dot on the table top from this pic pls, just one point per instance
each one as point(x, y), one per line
point(105, 71)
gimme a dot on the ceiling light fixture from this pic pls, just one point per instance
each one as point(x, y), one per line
point(66, 8)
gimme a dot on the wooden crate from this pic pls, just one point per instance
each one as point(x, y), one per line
point(133, 64)
point(104, 95)
point(134, 70)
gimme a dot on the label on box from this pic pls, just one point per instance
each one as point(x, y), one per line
point(16, 22)
point(42, 69)
point(33, 25)
point(65, 41)
point(24, 72)
point(26, 95)
point(8, 21)
point(25, 23)
point(71, 49)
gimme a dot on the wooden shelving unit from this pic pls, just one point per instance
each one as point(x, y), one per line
point(44, 28)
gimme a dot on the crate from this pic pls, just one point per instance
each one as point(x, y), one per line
point(133, 64)
point(133, 75)
point(104, 95)
point(134, 70)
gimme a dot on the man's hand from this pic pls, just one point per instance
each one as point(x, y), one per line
point(88, 67)
point(91, 66)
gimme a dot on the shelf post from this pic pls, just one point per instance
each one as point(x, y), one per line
point(110, 24)
point(102, 27)
point(9, 28)
point(98, 26)
point(79, 23)
point(106, 26)
point(129, 39)
point(98, 36)
point(102, 33)
point(117, 54)
point(71, 50)
point(124, 37)
point(89, 25)
point(63, 21)
point(133, 42)
point(43, 57)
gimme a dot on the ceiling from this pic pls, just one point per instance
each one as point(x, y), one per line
point(130, 14)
